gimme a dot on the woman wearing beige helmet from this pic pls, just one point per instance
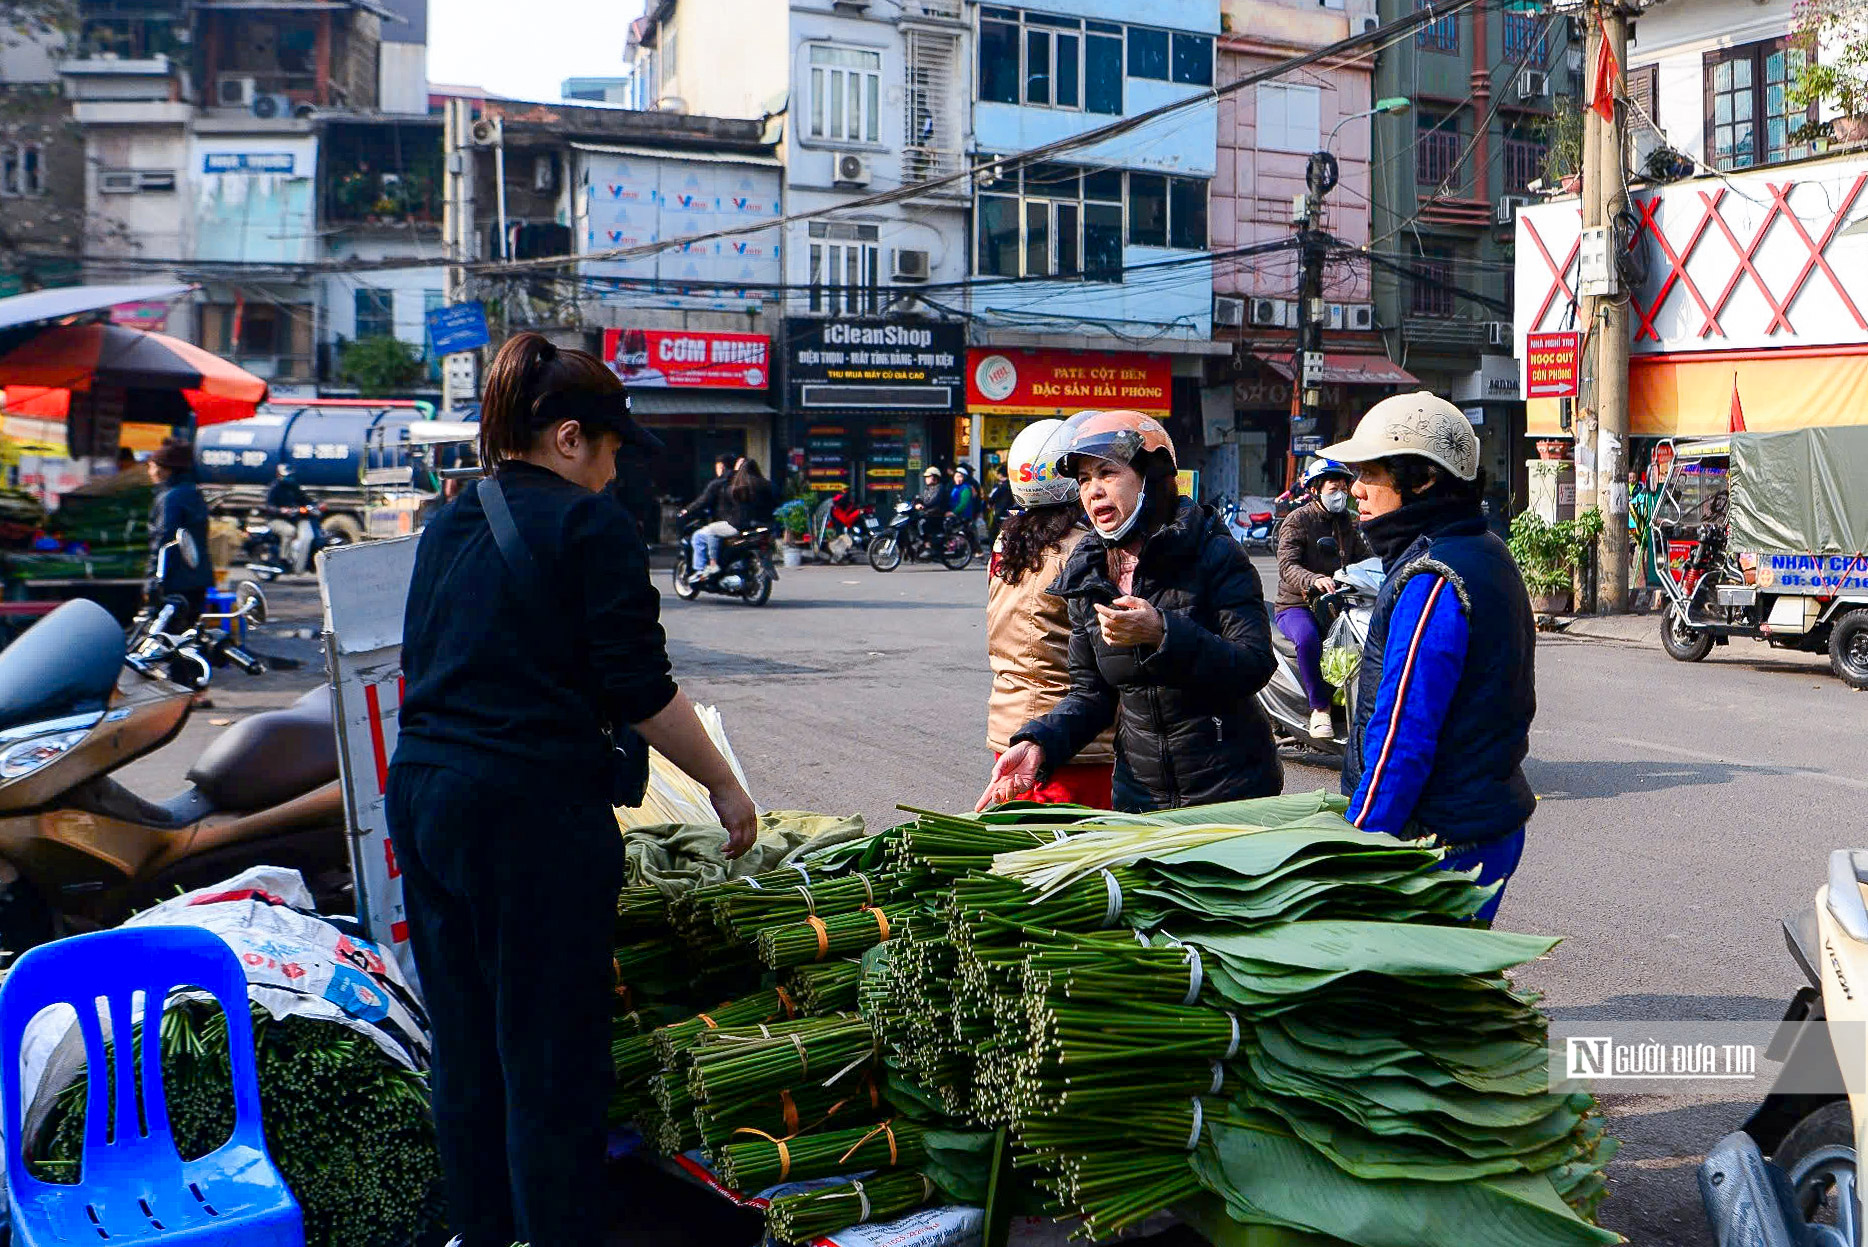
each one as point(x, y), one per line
point(1447, 683)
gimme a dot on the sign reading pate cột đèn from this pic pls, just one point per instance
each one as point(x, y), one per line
point(458, 327)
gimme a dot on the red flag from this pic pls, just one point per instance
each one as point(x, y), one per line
point(1607, 70)
point(1737, 422)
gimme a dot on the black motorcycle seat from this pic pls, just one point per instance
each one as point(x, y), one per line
point(67, 663)
point(271, 757)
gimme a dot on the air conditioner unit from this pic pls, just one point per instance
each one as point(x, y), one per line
point(1228, 313)
point(544, 173)
point(852, 170)
point(1533, 84)
point(1361, 316)
point(235, 92)
point(1508, 206)
point(1498, 333)
point(268, 107)
point(910, 265)
point(1336, 315)
point(1268, 312)
point(487, 132)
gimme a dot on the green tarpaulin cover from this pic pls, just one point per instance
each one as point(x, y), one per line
point(1804, 491)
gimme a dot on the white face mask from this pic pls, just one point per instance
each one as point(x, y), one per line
point(1115, 536)
point(1335, 501)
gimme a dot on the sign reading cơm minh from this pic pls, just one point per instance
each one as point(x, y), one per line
point(683, 359)
point(1062, 383)
point(1550, 364)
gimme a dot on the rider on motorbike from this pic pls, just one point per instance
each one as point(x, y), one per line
point(932, 504)
point(179, 507)
point(1305, 568)
point(285, 495)
point(1446, 690)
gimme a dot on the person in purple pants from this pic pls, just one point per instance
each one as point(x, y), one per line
point(1307, 565)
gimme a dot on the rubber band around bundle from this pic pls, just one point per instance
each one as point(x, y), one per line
point(810, 902)
point(784, 1153)
point(869, 893)
point(754, 884)
point(804, 1058)
point(711, 1024)
point(885, 1128)
point(801, 870)
point(882, 921)
point(1219, 1078)
point(1112, 914)
point(791, 1010)
point(1195, 974)
point(857, 1186)
point(788, 1108)
point(1232, 1047)
point(1199, 1119)
point(823, 936)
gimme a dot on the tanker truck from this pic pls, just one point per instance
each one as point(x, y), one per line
point(331, 444)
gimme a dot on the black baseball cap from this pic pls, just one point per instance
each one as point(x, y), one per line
point(607, 410)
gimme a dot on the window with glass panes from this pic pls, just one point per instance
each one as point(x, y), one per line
point(1749, 117)
point(1439, 35)
point(1524, 40)
point(375, 312)
point(843, 267)
point(1431, 291)
point(1068, 222)
point(846, 94)
point(1048, 61)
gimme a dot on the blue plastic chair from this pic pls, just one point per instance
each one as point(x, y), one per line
point(136, 1188)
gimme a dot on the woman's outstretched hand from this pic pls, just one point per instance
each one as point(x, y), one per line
point(1131, 621)
point(1014, 773)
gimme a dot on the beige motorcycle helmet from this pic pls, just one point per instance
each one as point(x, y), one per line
point(1420, 424)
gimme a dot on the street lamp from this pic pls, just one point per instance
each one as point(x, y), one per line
point(1392, 104)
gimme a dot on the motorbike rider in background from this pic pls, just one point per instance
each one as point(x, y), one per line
point(286, 495)
point(932, 504)
point(1446, 690)
point(179, 507)
point(1306, 568)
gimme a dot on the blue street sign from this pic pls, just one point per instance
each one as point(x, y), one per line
point(459, 327)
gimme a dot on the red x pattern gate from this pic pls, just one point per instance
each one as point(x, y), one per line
point(1678, 259)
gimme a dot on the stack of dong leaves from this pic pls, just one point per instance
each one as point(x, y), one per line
point(1254, 1015)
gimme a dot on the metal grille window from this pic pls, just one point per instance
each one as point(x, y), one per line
point(930, 146)
point(1440, 35)
point(1524, 162)
point(1431, 291)
point(376, 313)
point(1436, 154)
point(846, 94)
point(1749, 117)
point(1524, 40)
point(22, 169)
point(844, 262)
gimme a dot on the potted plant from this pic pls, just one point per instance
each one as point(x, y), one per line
point(1548, 555)
point(794, 523)
point(1829, 66)
point(1553, 448)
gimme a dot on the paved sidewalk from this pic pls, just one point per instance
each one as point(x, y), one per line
point(1636, 629)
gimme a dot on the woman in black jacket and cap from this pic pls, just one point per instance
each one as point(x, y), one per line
point(532, 647)
point(1169, 636)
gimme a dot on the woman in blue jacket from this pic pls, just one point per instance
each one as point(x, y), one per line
point(1447, 688)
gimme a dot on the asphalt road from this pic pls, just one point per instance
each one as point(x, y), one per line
point(1683, 809)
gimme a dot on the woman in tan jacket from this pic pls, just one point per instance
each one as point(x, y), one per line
point(1028, 629)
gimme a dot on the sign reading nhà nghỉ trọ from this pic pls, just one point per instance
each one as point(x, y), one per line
point(1550, 365)
point(684, 359)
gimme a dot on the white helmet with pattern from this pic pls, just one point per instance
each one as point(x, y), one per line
point(1421, 424)
point(1033, 477)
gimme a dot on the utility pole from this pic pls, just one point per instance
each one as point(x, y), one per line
point(450, 216)
point(1612, 352)
point(457, 235)
point(1307, 357)
point(1601, 424)
point(1583, 421)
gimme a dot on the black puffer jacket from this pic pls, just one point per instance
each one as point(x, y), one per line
point(1187, 719)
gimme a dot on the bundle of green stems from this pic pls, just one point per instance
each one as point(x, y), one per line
point(810, 1051)
point(824, 987)
point(809, 1215)
point(819, 939)
point(759, 1164)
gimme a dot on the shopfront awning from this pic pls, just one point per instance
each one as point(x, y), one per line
point(650, 403)
point(1344, 369)
point(1693, 395)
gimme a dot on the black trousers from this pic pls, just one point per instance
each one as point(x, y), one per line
point(511, 902)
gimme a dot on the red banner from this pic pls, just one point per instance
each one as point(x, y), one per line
point(1550, 364)
point(1062, 383)
point(683, 359)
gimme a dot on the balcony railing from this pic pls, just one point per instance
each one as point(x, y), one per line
point(1524, 163)
point(1444, 331)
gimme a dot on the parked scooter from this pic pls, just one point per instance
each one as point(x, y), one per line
point(1283, 699)
point(746, 569)
point(847, 530)
point(1255, 530)
point(1807, 1193)
point(903, 540)
point(79, 850)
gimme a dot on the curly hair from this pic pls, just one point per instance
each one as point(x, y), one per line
point(1029, 535)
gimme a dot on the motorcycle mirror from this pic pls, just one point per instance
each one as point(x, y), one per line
point(250, 601)
point(185, 546)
